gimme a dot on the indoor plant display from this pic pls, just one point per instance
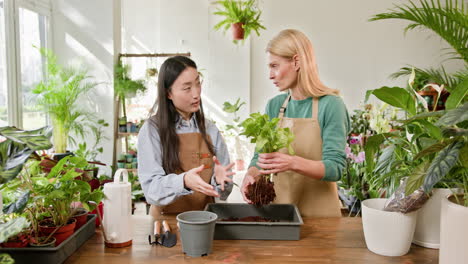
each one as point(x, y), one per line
point(448, 21)
point(59, 96)
point(124, 86)
point(267, 138)
point(234, 131)
point(241, 16)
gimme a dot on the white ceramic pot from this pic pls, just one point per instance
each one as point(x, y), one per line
point(453, 233)
point(117, 211)
point(387, 233)
point(427, 233)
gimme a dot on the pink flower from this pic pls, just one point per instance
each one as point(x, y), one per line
point(360, 157)
point(355, 140)
point(349, 153)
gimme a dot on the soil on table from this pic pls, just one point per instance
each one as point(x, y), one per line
point(261, 192)
point(249, 219)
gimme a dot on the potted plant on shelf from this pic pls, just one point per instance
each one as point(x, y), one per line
point(59, 96)
point(242, 17)
point(125, 87)
point(234, 131)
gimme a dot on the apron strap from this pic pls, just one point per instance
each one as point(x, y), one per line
point(283, 107)
point(315, 102)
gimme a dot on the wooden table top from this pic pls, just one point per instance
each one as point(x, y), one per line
point(323, 240)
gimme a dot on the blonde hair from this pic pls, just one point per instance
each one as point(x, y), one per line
point(290, 42)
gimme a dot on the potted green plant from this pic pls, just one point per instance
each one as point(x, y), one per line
point(234, 131)
point(125, 87)
point(242, 17)
point(14, 152)
point(59, 96)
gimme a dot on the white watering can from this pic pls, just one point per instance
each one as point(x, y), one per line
point(117, 211)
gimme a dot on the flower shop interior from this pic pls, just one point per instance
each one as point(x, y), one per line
point(81, 84)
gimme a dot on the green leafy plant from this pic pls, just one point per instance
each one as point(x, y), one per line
point(15, 149)
point(449, 21)
point(425, 146)
point(59, 96)
point(124, 86)
point(266, 135)
point(245, 12)
point(233, 128)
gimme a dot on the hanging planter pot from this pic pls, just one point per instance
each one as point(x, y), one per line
point(237, 31)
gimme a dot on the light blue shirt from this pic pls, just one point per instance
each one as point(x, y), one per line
point(159, 187)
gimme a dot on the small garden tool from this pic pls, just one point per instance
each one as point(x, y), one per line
point(153, 238)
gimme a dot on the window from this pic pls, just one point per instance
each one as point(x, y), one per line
point(32, 36)
point(24, 28)
point(3, 73)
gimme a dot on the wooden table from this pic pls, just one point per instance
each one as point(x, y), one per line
point(323, 240)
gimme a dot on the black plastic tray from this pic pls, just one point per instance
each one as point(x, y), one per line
point(54, 255)
point(286, 227)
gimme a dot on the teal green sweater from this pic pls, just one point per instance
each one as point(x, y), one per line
point(334, 126)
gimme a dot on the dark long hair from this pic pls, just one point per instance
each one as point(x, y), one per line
point(167, 115)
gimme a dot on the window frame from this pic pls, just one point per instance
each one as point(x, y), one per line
point(13, 52)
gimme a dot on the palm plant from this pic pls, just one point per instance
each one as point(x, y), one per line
point(58, 95)
point(449, 21)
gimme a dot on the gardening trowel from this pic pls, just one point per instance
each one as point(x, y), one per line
point(168, 239)
point(154, 237)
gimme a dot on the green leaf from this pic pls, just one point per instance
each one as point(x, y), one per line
point(424, 115)
point(6, 259)
point(441, 165)
point(372, 147)
point(416, 178)
point(397, 97)
point(434, 148)
point(457, 95)
point(19, 205)
point(454, 116)
point(12, 228)
point(386, 159)
point(464, 155)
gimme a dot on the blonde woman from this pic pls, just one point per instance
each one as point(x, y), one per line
point(320, 123)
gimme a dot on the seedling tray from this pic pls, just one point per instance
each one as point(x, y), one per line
point(54, 255)
point(286, 226)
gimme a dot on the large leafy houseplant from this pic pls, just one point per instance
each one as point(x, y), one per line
point(59, 96)
point(244, 14)
point(413, 149)
point(15, 149)
point(449, 21)
point(268, 138)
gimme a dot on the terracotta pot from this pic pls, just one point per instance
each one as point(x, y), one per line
point(81, 216)
point(61, 234)
point(51, 243)
point(19, 241)
point(237, 31)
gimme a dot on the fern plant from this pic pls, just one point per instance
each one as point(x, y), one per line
point(124, 86)
point(245, 12)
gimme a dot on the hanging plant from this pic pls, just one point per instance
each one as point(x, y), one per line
point(124, 87)
point(242, 17)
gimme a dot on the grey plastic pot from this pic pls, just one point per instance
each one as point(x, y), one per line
point(197, 232)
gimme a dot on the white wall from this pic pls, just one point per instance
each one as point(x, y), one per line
point(353, 55)
point(84, 29)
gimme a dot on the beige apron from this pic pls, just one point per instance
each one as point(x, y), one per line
point(313, 197)
point(193, 152)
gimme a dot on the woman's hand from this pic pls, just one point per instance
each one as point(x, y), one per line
point(222, 172)
point(274, 162)
point(193, 181)
point(249, 178)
